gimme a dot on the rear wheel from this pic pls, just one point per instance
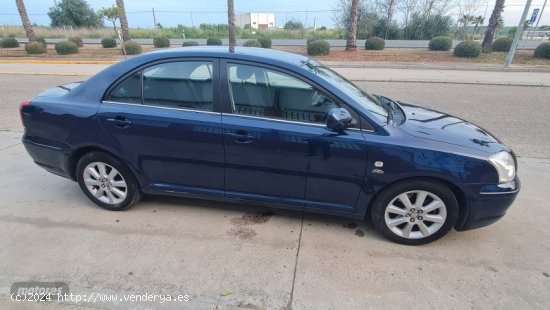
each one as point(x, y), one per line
point(415, 212)
point(107, 181)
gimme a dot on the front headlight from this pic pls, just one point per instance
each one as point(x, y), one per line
point(505, 166)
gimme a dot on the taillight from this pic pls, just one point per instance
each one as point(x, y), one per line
point(21, 107)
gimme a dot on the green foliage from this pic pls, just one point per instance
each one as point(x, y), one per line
point(512, 32)
point(265, 42)
point(213, 41)
point(502, 45)
point(111, 13)
point(318, 48)
point(293, 25)
point(77, 41)
point(468, 49)
point(35, 48)
point(543, 51)
point(108, 43)
point(66, 48)
point(252, 43)
point(132, 48)
point(76, 13)
point(161, 42)
point(41, 40)
point(423, 28)
point(441, 44)
point(375, 43)
point(190, 43)
point(9, 42)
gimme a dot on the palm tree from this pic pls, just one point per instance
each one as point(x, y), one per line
point(25, 20)
point(478, 20)
point(465, 20)
point(231, 22)
point(492, 27)
point(123, 21)
point(351, 34)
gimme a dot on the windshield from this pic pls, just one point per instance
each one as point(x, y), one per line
point(364, 99)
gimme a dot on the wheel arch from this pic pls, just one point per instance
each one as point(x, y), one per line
point(460, 195)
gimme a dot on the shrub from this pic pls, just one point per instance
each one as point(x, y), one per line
point(66, 48)
point(311, 39)
point(543, 51)
point(441, 44)
point(108, 42)
point(502, 45)
point(213, 41)
point(252, 43)
point(132, 47)
point(9, 42)
point(265, 42)
point(318, 48)
point(42, 41)
point(77, 41)
point(375, 43)
point(35, 48)
point(161, 42)
point(468, 49)
point(190, 43)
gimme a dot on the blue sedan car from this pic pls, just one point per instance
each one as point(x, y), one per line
point(274, 128)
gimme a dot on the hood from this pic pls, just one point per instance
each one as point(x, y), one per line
point(433, 125)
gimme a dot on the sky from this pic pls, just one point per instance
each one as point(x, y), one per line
point(194, 12)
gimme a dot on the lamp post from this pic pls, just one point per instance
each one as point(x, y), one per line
point(519, 32)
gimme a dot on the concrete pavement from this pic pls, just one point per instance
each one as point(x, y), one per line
point(229, 256)
point(374, 74)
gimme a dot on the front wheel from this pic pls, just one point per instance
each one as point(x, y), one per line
point(107, 181)
point(415, 212)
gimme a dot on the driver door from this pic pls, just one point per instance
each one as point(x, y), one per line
point(277, 147)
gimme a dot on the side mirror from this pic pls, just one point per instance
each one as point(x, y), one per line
point(338, 119)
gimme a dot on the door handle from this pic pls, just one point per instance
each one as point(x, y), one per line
point(241, 136)
point(120, 121)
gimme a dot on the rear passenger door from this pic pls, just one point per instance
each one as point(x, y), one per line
point(165, 118)
point(277, 146)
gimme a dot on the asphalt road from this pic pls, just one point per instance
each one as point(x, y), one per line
point(525, 44)
point(228, 256)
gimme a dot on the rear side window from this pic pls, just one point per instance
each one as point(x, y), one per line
point(185, 85)
point(179, 85)
point(129, 91)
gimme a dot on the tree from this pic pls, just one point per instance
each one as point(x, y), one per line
point(478, 20)
point(491, 28)
point(123, 21)
point(407, 7)
point(231, 22)
point(25, 20)
point(111, 14)
point(387, 8)
point(76, 13)
point(294, 25)
point(351, 34)
point(465, 20)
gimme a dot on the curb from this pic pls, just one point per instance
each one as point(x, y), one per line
point(351, 65)
point(353, 80)
point(58, 62)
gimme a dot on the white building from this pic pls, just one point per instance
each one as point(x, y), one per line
point(255, 20)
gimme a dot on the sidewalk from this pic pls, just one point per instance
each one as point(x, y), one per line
point(418, 74)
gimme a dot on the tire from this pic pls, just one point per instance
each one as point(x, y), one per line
point(411, 223)
point(107, 181)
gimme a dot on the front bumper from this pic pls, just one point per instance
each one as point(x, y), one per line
point(489, 205)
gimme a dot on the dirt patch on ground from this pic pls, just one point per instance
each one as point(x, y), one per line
point(239, 230)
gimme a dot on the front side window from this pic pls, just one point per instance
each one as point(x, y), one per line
point(186, 85)
point(262, 92)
